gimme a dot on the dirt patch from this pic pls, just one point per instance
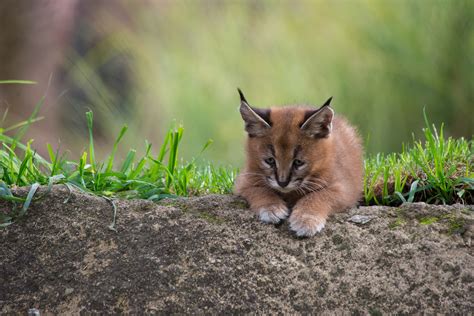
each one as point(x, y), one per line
point(210, 255)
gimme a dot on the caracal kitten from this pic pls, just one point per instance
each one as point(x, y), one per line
point(302, 162)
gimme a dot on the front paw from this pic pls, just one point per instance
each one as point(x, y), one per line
point(273, 214)
point(304, 224)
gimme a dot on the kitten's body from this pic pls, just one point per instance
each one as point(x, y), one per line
point(329, 180)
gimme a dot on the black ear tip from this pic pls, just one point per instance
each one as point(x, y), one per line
point(242, 97)
point(327, 102)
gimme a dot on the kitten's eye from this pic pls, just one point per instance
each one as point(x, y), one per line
point(270, 161)
point(297, 163)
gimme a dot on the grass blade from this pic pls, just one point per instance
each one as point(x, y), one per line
point(128, 161)
point(17, 82)
point(411, 195)
point(29, 198)
point(114, 150)
point(112, 225)
point(90, 120)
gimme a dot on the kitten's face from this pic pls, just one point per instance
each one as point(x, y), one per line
point(287, 147)
point(285, 169)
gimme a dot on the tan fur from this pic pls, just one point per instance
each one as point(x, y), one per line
point(333, 165)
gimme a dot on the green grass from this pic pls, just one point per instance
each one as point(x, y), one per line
point(437, 170)
point(149, 176)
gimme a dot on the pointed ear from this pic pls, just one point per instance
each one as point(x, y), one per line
point(318, 123)
point(257, 121)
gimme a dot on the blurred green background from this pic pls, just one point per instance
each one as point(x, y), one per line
point(151, 63)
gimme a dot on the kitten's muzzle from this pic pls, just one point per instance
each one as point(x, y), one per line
point(283, 184)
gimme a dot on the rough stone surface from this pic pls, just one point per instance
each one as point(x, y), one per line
point(210, 255)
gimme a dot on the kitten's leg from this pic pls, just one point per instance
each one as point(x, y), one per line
point(266, 203)
point(310, 213)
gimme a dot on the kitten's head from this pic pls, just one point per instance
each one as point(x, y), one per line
point(288, 148)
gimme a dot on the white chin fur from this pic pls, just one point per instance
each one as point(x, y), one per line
point(287, 189)
point(273, 214)
point(307, 225)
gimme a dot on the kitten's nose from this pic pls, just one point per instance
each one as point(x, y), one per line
point(283, 183)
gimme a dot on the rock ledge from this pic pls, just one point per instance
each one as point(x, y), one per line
point(210, 255)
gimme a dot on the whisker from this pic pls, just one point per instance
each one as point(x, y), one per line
point(259, 182)
point(314, 184)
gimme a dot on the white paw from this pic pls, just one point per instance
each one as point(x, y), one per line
point(273, 214)
point(306, 225)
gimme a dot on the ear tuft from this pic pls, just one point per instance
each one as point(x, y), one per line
point(328, 102)
point(242, 97)
point(257, 121)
